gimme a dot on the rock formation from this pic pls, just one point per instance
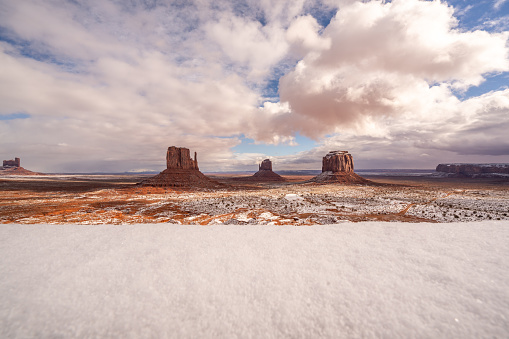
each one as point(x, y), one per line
point(181, 171)
point(265, 173)
point(337, 166)
point(337, 161)
point(474, 170)
point(13, 167)
point(265, 165)
point(12, 163)
point(179, 158)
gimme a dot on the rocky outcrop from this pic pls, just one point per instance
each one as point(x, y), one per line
point(13, 167)
point(12, 163)
point(337, 161)
point(265, 165)
point(181, 171)
point(265, 173)
point(179, 158)
point(337, 167)
point(474, 170)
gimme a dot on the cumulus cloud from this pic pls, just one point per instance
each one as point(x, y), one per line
point(485, 120)
point(115, 101)
point(392, 70)
point(303, 35)
point(249, 43)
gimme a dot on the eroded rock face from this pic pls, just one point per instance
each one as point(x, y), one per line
point(181, 171)
point(12, 163)
point(337, 167)
point(337, 161)
point(180, 158)
point(265, 165)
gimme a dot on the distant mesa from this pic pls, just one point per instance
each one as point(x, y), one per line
point(337, 167)
point(12, 163)
point(265, 172)
point(474, 170)
point(181, 171)
point(13, 167)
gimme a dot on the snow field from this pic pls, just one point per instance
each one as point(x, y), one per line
point(362, 280)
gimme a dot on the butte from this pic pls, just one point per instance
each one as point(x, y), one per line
point(13, 167)
point(181, 171)
point(337, 167)
point(265, 173)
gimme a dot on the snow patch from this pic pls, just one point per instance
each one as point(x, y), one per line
point(362, 280)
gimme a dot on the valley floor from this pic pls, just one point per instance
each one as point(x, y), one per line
point(109, 199)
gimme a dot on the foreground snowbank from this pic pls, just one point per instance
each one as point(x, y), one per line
point(368, 280)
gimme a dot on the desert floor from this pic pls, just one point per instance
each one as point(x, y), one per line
point(116, 199)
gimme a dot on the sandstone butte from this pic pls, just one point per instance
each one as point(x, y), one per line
point(181, 171)
point(337, 167)
point(13, 167)
point(265, 173)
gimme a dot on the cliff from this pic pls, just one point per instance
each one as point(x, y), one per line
point(474, 170)
point(337, 167)
point(179, 158)
point(181, 171)
point(12, 163)
point(337, 161)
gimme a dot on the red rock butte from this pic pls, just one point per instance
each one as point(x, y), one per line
point(13, 167)
point(181, 171)
point(265, 172)
point(12, 163)
point(337, 167)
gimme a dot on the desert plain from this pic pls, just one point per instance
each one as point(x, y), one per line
point(118, 199)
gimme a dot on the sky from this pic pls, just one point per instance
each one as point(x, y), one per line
point(107, 86)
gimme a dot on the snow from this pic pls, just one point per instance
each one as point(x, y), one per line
point(293, 197)
point(350, 280)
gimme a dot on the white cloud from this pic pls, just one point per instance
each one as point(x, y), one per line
point(391, 67)
point(249, 43)
point(498, 4)
point(303, 35)
point(121, 101)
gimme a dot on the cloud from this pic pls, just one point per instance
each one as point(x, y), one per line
point(303, 36)
point(391, 68)
point(118, 82)
point(485, 121)
point(122, 102)
point(249, 43)
point(498, 4)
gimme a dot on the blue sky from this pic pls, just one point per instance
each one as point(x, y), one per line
point(109, 85)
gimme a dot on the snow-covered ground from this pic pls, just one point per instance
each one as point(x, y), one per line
point(349, 280)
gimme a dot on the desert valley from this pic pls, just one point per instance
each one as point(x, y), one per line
point(254, 169)
point(183, 195)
